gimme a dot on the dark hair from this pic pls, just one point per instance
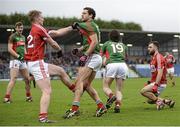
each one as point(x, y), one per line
point(156, 43)
point(33, 13)
point(114, 36)
point(18, 24)
point(91, 11)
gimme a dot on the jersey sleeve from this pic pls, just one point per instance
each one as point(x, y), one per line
point(82, 25)
point(43, 33)
point(87, 27)
point(126, 51)
point(103, 48)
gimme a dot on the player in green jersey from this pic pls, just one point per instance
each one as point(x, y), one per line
point(89, 62)
point(16, 48)
point(116, 68)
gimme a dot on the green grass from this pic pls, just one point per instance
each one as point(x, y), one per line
point(134, 111)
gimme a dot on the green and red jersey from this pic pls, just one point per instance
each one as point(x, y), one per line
point(115, 52)
point(18, 43)
point(87, 29)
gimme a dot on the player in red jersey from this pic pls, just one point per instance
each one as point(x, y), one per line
point(158, 78)
point(170, 60)
point(37, 40)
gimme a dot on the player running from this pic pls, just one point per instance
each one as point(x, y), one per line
point(116, 69)
point(158, 79)
point(17, 48)
point(37, 40)
point(170, 60)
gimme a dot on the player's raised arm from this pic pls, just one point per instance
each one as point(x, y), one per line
point(60, 32)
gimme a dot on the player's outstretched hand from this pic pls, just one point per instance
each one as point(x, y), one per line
point(75, 25)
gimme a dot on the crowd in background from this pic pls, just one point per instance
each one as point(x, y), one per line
point(68, 61)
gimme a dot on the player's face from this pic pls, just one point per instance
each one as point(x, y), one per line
point(40, 19)
point(85, 16)
point(151, 49)
point(19, 29)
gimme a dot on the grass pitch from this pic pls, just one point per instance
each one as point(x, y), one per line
point(134, 111)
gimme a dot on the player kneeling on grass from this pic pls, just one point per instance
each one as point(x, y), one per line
point(158, 80)
point(116, 69)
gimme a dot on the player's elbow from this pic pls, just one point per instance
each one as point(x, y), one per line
point(56, 47)
point(53, 33)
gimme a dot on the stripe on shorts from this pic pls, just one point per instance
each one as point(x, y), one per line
point(42, 69)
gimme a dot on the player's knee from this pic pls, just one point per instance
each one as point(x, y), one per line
point(142, 91)
point(26, 80)
point(13, 80)
point(47, 91)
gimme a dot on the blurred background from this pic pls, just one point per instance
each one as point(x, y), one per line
point(138, 22)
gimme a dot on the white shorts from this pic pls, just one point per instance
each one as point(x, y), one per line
point(170, 70)
point(17, 64)
point(94, 62)
point(116, 70)
point(39, 69)
point(161, 87)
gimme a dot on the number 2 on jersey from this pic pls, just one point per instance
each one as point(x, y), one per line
point(30, 41)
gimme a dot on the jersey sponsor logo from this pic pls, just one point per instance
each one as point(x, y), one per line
point(20, 43)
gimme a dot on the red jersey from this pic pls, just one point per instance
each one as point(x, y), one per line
point(158, 62)
point(169, 61)
point(36, 43)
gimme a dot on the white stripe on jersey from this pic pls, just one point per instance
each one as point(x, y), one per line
point(42, 28)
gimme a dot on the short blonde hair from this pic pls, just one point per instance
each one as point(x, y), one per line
point(33, 14)
point(18, 24)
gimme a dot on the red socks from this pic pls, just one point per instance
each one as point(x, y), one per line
point(72, 87)
point(110, 95)
point(100, 105)
point(117, 103)
point(28, 94)
point(7, 96)
point(42, 116)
